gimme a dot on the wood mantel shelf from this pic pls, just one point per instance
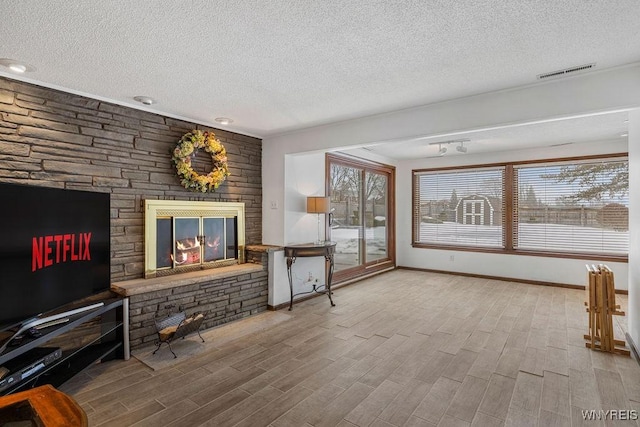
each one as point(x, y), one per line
point(44, 406)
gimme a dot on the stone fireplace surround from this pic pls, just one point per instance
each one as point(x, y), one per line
point(56, 139)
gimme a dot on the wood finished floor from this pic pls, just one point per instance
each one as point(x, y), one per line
point(404, 348)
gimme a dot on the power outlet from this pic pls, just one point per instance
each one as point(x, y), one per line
point(311, 279)
point(452, 258)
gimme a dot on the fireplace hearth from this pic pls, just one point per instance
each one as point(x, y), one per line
point(183, 236)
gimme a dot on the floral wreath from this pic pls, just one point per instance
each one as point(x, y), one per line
point(187, 148)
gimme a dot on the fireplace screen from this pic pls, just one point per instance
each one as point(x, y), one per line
point(184, 236)
point(188, 241)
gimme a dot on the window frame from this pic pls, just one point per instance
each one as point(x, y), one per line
point(508, 204)
point(342, 159)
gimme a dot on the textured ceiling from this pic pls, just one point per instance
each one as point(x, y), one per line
point(275, 66)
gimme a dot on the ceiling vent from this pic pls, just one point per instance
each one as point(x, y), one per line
point(566, 71)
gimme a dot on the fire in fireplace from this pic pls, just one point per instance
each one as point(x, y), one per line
point(184, 236)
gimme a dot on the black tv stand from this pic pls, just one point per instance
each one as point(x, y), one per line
point(85, 336)
point(32, 326)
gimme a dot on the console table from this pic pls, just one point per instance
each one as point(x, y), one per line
point(325, 250)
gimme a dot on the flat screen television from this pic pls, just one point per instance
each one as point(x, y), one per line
point(54, 249)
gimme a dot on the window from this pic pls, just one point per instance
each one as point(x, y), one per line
point(565, 208)
point(460, 207)
point(576, 207)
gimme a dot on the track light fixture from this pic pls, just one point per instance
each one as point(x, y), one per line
point(442, 145)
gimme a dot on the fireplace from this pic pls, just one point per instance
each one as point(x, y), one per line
point(183, 236)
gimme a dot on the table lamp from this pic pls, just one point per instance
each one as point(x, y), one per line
point(318, 205)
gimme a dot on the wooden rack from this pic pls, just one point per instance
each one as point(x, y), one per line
point(601, 306)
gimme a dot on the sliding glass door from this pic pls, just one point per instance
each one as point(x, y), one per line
point(345, 219)
point(362, 215)
point(375, 218)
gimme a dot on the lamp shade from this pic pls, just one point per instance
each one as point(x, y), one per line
point(318, 205)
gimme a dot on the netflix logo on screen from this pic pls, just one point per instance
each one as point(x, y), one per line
point(54, 249)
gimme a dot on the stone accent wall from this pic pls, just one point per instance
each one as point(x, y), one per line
point(221, 300)
point(56, 139)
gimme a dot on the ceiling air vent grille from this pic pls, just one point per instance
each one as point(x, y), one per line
point(566, 71)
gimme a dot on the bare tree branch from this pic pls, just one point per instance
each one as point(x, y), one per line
point(595, 180)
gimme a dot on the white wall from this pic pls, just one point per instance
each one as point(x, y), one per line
point(634, 227)
point(544, 269)
point(303, 176)
point(279, 291)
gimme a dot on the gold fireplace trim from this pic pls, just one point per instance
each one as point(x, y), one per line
point(155, 209)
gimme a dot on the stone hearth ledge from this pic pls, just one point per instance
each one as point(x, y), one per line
point(142, 286)
point(264, 248)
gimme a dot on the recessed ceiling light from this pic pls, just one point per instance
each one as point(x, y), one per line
point(16, 66)
point(224, 120)
point(624, 134)
point(145, 100)
point(625, 121)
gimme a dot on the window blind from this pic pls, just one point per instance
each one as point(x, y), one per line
point(459, 207)
point(572, 207)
